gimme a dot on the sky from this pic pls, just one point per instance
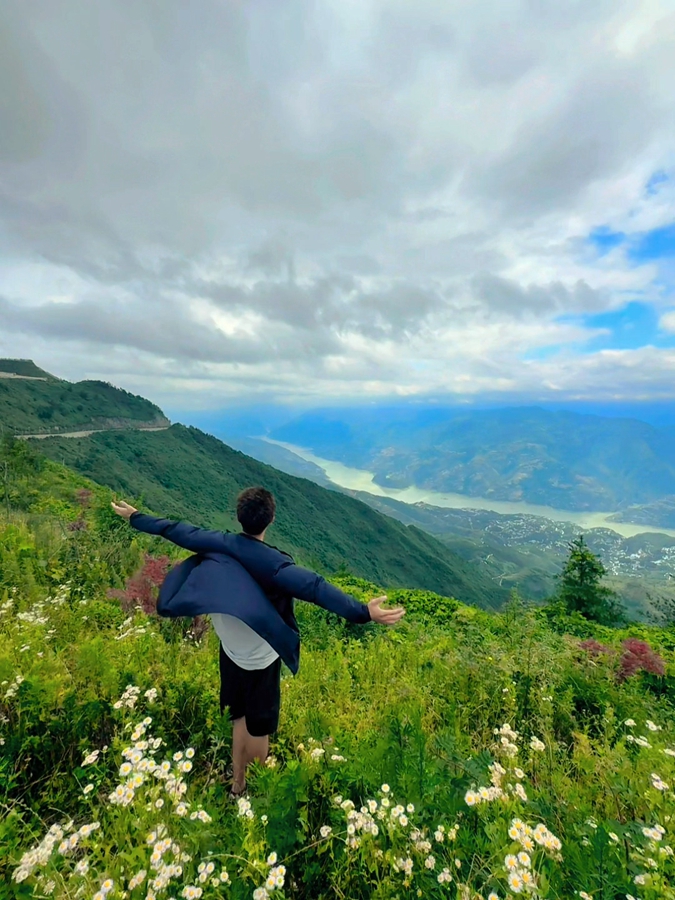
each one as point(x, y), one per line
point(315, 201)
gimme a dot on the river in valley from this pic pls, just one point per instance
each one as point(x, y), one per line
point(362, 480)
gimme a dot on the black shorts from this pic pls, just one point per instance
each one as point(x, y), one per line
point(254, 694)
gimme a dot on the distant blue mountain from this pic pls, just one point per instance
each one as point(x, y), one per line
point(556, 458)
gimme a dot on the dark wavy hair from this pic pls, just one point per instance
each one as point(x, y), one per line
point(255, 509)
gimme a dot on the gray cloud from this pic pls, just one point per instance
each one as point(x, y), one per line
point(503, 296)
point(319, 178)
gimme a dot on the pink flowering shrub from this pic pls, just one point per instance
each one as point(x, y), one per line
point(639, 656)
point(141, 587)
point(593, 647)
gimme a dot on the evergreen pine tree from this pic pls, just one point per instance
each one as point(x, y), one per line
point(581, 589)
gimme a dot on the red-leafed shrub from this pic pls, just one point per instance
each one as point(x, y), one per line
point(83, 497)
point(141, 587)
point(77, 525)
point(593, 647)
point(639, 656)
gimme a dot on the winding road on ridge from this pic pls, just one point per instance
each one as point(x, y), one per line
point(81, 434)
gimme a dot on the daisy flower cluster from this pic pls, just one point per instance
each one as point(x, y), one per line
point(12, 688)
point(129, 698)
point(416, 849)
point(498, 789)
point(518, 864)
point(140, 770)
point(127, 629)
point(315, 751)
point(144, 779)
point(65, 838)
point(652, 856)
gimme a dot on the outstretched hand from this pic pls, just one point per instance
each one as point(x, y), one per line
point(384, 616)
point(123, 509)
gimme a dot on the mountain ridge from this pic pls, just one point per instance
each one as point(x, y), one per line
point(181, 472)
point(560, 459)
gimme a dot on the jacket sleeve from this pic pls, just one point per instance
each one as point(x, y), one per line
point(305, 585)
point(198, 540)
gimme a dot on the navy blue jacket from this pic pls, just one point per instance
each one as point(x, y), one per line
point(240, 576)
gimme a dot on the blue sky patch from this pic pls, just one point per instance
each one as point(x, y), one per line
point(656, 244)
point(655, 182)
point(632, 326)
point(604, 239)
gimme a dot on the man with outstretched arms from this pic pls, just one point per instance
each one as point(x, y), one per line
point(248, 587)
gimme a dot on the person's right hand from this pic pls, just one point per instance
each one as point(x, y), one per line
point(384, 616)
point(123, 509)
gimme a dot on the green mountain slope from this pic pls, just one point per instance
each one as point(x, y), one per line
point(185, 473)
point(35, 407)
point(560, 459)
point(24, 368)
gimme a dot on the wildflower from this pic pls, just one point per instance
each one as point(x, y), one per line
point(88, 788)
point(138, 878)
point(652, 726)
point(185, 766)
point(410, 808)
point(107, 885)
point(537, 745)
point(271, 859)
point(430, 862)
point(439, 836)
point(585, 896)
point(90, 758)
point(403, 820)
point(224, 877)
point(520, 791)
point(515, 882)
point(524, 860)
point(658, 783)
point(511, 862)
point(177, 756)
point(189, 753)
point(630, 723)
point(471, 798)
point(82, 867)
point(385, 788)
point(493, 896)
point(519, 774)
point(325, 830)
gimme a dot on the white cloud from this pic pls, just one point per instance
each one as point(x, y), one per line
point(316, 200)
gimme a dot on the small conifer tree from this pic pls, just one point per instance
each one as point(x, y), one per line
point(581, 589)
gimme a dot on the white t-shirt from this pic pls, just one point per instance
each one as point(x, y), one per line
point(242, 644)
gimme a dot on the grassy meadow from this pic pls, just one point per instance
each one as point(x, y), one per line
point(464, 754)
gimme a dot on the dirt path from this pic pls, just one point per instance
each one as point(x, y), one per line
point(81, 434)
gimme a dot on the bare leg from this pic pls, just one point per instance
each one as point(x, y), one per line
point(245, 748)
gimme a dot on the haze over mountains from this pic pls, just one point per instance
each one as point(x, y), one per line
point(558, 459)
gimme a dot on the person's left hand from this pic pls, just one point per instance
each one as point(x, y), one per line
point(123, 509)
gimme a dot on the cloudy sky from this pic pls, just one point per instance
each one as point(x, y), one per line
point(322, 200)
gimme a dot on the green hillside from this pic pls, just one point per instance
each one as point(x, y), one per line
point(461, 754)
point(25, 368)
point(184, 473)
point(35, 407)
